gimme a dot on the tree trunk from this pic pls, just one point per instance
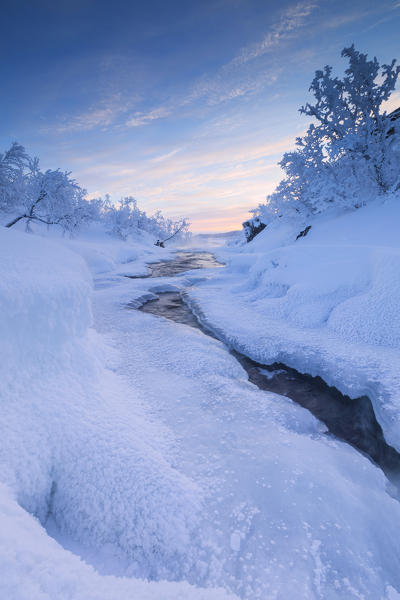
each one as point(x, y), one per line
point(171, 236)
point(11, 223)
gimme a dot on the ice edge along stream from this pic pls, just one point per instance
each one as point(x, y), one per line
point(350, 420)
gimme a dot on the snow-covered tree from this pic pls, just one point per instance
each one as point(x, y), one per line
point(52, 198)
point(166, 228)
point(347, 155)
point(121, 219)
point(349, 118)
point(125, 219)
point(31, 195)
point(14, 163)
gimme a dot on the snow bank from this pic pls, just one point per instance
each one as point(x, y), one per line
point(288, 512)
point(106, 254)
point(75, 445)
point(220, 485)
point(34, 567)
point(325, 304)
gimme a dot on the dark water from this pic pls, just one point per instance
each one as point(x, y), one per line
point(183, 261)
point(170, 306)
point(352, 421)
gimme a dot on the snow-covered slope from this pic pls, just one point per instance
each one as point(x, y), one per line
point(76, 445)
point(106, 254)
point(325, 304)
point(287, 511)
point(140, 445)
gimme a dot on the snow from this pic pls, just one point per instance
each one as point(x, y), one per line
point(136, 459)
point(76, 445)
point(275, 484)
point(285, 511)
point(106, 254)
point(326, 304)
point(35, 567)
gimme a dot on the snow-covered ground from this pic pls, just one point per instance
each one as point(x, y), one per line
point(326, 304)
point(140, 446)
point(76, 445)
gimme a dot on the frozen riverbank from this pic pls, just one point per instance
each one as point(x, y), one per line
point(152, 457)
point(349, 420)
point(78, 451)
point(325, 304)
point(271, 525)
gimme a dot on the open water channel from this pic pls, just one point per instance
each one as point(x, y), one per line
point(350, 420)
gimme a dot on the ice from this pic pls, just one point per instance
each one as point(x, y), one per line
point(76, 444)
point(139, 445)
point(325, 304)
point(294, 498)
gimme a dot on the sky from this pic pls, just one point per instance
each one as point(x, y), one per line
point(188, 106)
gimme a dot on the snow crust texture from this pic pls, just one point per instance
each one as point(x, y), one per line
point(74, 448)
point(285, 510)
point(139, 445)
point(326, 304)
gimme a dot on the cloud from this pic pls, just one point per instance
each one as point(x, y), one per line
point(234, 79)
point(94, 117)
point(140, 118)
point(101, 115)
point(237, 78)
point(164, 157)
point(203, 182)
point(231, 84)
point(231, 81)
point(292, 19)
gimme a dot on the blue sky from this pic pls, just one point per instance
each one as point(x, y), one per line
point(186, 105)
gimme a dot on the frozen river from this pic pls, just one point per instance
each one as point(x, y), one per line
point(347, 419)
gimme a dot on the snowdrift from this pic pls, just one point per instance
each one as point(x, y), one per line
point(220, 485)
point(106, 254)
point(75, 448)
point(288, 512)
point(325, 304)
